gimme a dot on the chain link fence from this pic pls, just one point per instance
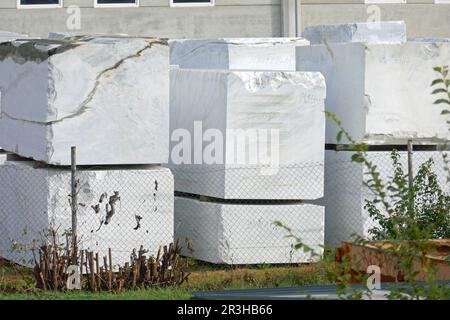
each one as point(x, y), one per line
point(118, 208)
point(346, 190)
point(218, 214)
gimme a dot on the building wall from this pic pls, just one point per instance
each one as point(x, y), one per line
point(423, 18)
point(228, 18)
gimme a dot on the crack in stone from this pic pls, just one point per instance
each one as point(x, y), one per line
point(83, 106)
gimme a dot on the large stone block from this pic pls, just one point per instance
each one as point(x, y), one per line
point(367, 32)
point(346, 190)
point(85, 92)
point(380, 92)
point(250, 135)
point(33, 200)
point(246, 233)
point(236, 54)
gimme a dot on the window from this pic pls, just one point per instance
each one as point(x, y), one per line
point(39, 4)
point(383, 1)
point(191, 3)
point(115, 3)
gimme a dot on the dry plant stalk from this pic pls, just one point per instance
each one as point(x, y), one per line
point(165, 270)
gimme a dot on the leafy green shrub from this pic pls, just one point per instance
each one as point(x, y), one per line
point(420, 213)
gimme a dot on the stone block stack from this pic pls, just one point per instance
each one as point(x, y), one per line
point(242, 98)
point(378, 85)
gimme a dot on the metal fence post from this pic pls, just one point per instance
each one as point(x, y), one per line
point(410, 177)
point(74, 202)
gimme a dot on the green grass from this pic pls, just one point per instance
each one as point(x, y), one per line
point(151, 294)
point(18, 283)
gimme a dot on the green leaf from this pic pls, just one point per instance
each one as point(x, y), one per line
point(441, 101)
point(437, 81)
point(445, 111)
point(357, 158)
point(440, 90)
point(278, 223)
point(339, 136)
point(438, 69)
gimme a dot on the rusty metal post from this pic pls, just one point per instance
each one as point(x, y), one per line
point(74, 202)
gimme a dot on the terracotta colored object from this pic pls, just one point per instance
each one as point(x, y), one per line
point(386, 254)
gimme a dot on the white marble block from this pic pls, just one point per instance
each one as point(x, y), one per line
point(346, 191)
point(367, 32)
point(236, 54)
point(381, 92)
point(109, 97)
point(33, 200)
point(246, 233)
point(247, 134)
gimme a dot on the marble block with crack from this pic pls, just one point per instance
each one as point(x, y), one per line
point(106, 95)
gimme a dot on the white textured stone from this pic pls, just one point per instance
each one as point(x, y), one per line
point(346, 192)
point(6, 36)
point(59, 35)
point(428, 39)
point(236, 54)
point(291, 103)
point(35, 199)
point(245, 233)
point(381, 92)
point(367, 32)
point(85, 92)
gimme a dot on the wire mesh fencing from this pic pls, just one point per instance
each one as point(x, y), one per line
point(228, 214)
point(117, 208)
point(218, 214)
point(346, 190)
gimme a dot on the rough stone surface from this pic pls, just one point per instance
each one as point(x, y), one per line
point(236, 54)
point(367, 32)
point(381, 92)
point(84, 92)
point(35, 199)
point(246, 234)
point(248, 110)
point(346, 192)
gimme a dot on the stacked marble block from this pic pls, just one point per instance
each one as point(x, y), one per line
point(378, 85)
point(225, 209)
point(84, 92)
point(6, 36)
